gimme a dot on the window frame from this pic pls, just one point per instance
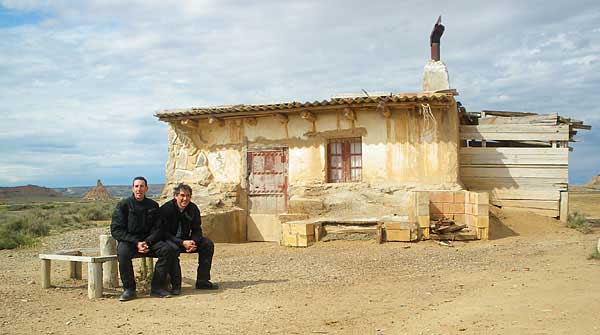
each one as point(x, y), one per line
point(348, 165)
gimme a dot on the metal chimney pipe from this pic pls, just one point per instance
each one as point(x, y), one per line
point(434, 39)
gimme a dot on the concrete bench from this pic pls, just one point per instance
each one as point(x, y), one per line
point(94, 269)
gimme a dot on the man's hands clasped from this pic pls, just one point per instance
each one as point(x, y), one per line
point(189, 245)
point(143, 247)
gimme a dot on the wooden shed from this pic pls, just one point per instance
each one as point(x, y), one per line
point(521, 159)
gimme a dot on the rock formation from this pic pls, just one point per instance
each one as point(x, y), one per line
point(594, 182)
point(97, 193)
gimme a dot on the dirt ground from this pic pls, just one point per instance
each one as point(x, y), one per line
point(532, 277)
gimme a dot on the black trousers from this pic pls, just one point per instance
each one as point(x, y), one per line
point(205, 250)
point(166, 256)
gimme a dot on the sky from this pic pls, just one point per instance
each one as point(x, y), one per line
point(80, 81)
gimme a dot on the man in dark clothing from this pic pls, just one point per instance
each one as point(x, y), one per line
point(136, 225)
point(182, 226)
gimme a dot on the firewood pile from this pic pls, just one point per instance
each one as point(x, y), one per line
point(445, 226)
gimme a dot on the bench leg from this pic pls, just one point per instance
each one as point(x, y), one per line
point(108, 246)
point(45, 273)
point(75, 270)
point(94, 280)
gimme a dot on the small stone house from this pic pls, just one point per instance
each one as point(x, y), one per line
point(297, 171)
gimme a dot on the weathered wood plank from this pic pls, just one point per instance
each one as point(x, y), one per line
point(45, 273)
point(515, 132)
point(516, 172)
point(508, 156)
point(514, 151)
point(528, 119)
point(539, 204)
point(544, 212)
point(85, 259)
point(564, 206)
point(94, 280)
point(520, 194)
point(508, 182)
point(506, 113)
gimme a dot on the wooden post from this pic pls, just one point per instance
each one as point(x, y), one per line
point(75, 270)
point(564, 206)
point(45, 273)
point(144, 269)
point(94, 280)
point(151, 265)
point(318, 231)
point(108, 246)
point(75, 266)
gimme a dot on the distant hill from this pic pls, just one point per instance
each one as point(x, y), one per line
point(27, 191)
point(115, 191)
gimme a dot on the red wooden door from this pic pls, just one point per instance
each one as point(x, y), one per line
point(267, 181)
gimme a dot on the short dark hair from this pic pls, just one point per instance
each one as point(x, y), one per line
point(182, 187)
point(140, 178)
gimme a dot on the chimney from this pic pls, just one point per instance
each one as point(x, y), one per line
point(436, 73)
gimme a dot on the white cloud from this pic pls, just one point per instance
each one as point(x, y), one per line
point(81, 80)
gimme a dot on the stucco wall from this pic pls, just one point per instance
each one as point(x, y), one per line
point(406, 147)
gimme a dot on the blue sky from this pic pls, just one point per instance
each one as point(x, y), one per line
point(81, 80)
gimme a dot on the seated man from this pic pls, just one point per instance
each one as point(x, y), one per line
point(135, 225)
point(181, 220)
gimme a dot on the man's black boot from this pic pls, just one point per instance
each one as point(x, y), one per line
point(128, 294)
point(206, 285)
point(160, 293)
point(176, 290)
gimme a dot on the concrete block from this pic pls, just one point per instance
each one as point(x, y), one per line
point(461, 197)
point(297, 240)
point(483, 233)
point(472, 198)
point(422, 203)
point(441, 196)
point(424, 233)
point(229, 227)
point(483, 198)
point(400, 225)
point(299, 228)
point(436, 208)
point(470, 220)
point(401, 235)
point(287, 217)
point(468, 208)
point(483, 221)
point(452, 208)
point(481, 209)
point(423, 221)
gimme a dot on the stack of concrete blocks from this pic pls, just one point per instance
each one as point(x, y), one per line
point(421, 212)
point(464, 207)
point(477, 213)
point(297, 234)
point(400, 228)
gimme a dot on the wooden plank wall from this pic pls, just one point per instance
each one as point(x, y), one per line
point(529, 178)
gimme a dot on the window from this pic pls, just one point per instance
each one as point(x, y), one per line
point(344, 158)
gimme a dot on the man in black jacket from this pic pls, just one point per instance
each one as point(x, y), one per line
point(182, 226)
point(136, 225)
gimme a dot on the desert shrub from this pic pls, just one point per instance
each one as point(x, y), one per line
point(22, 224)
point(19, 207)
point(577, 220)
point(23, 230)
point(96, 211)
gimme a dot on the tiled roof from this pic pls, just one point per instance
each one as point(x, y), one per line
point(290, 106)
